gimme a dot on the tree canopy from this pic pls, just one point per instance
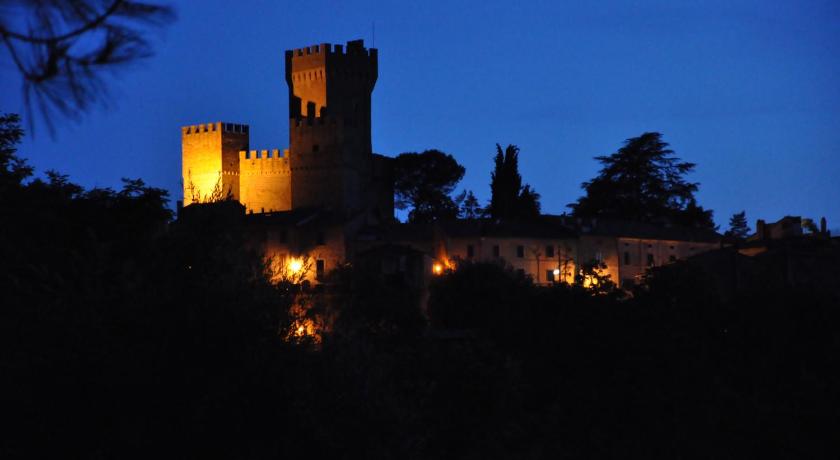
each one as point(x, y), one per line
point(738, 227)
point(424, 183)
point(509, 198)
point(643, 181)
point(124, 331)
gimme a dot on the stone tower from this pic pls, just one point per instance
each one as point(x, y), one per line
point(210, 160)
point(331, 161)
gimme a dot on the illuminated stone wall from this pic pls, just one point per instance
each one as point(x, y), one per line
point(210, 159)
point(265, 181)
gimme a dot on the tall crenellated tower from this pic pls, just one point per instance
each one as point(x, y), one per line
point(210, 159)
point(331, 161)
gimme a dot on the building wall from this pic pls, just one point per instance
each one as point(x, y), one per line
point(636, 251)
point(282, 244)
point(210, 159)
point(326, 171)
point(534, 261)
point(570, 254)
point(265, 181)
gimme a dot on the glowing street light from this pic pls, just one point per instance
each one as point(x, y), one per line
point(437, 268)
point(295, 265)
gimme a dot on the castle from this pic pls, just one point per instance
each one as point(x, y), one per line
point(329, 163)
point(329, 199)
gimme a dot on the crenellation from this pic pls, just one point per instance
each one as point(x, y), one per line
point(264, 154)
point(214, 127)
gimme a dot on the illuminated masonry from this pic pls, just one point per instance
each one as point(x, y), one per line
point(329, 162)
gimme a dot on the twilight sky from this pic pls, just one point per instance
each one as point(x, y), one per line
point(749, 90)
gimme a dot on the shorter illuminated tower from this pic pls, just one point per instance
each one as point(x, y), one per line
point(210, 160)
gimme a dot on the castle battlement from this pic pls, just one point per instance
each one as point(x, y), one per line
point(354, 48)
point(215, 127)
point(273, 154)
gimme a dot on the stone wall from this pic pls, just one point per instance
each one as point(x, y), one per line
point(265, 181)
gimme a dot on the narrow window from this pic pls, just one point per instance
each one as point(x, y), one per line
point(319, 269)
point(626, 258)
point(549, 251)
point(495, 250)
point(549, 276)
point(520, 251)
point(470, 251)
point(650, 259)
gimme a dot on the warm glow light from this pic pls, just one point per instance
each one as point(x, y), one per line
point(556, 272)
point(437, 268)
point(295, 265)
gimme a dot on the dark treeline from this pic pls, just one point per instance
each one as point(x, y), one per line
point(128, 335)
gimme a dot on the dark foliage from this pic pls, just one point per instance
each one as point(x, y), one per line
point(62, 48)
point(424, 182)
point(126, 335)
point(510, 200)
point(643, 182)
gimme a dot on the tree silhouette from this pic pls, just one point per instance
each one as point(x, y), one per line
point(643, 181)
point(424, 182)
point(470, 207)
point(67, 45)
point(13, 170)
point(509, 198)
point(738, 227)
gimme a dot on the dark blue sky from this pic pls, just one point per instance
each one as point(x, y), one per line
point(748, 90)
